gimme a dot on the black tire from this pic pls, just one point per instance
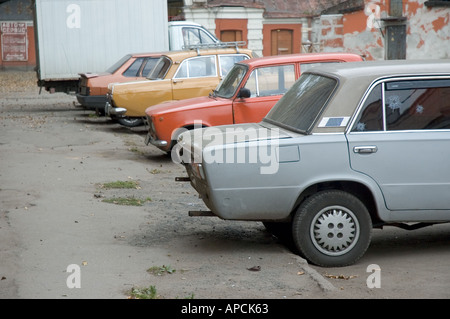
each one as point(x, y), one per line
point(131, 121)
point(332, 229)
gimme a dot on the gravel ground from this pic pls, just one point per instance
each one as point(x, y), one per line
point(55, 159)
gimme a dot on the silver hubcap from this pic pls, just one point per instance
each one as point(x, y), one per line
point(334, 230)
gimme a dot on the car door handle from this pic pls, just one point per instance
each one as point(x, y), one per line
point(365, 149)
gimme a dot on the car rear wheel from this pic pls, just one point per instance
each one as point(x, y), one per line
point(131, 121)
point(332, 228)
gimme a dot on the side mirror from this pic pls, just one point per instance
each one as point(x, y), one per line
point(244, 93)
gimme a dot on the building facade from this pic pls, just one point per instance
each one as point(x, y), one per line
point(384, 29)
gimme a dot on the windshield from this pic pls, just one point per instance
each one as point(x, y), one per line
point(160, 69)
point(302, 104)
point(113, 68)
point(228, 86)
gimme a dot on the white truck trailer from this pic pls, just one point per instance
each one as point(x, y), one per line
point(79, 36)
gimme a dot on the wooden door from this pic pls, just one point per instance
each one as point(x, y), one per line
point(281, 42)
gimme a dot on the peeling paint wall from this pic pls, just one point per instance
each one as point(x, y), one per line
point(363, 32)
point(428, 31)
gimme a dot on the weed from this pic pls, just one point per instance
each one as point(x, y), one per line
point(161, 270)
point(191, 296)
point(144, 293)
point(120, 184)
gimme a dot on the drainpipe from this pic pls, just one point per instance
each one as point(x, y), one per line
point(395, 25)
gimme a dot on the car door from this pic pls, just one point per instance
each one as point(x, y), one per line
point(267, 85)
point(401, 139)
point(195, 77)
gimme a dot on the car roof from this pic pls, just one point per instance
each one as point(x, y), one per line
point(301, 57)
point(182, 22)
point(181, 55)
point(372, 70)
point(147, 54)
point(356, 77)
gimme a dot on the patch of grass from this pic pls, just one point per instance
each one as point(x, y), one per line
point(161, 270)
point(144, 293)
point(127, 201)
point(120, 184)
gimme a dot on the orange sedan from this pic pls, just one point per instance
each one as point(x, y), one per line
point(94, 86)
point(245, 95)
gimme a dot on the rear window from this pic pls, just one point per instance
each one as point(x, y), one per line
point(303, 103)
point(113, 68)
point(160, 69)
point(134, 68)
point(151, 63)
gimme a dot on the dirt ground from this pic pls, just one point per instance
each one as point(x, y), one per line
point(55, 159)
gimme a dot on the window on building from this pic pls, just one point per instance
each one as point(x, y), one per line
point(230, 35)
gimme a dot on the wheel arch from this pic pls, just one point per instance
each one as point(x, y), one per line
point(358, 189)
point(186, 127)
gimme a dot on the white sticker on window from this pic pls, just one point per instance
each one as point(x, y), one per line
point(393, 102)
point(334, 121)
point(420, 109)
